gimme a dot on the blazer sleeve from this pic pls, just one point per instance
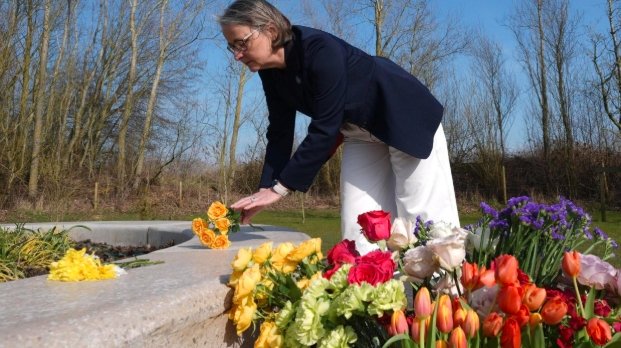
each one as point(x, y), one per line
point(280, 132)
point(325, 62)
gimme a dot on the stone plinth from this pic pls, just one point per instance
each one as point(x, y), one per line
point(180, 303)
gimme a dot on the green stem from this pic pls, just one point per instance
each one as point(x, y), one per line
point(578, 298)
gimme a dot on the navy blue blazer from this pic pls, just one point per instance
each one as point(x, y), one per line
point(334, 82)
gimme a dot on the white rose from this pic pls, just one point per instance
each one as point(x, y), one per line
point(420, 262)
point(401, 234)
point(440, 229)
point(450, 251)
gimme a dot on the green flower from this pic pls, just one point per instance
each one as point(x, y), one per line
point(338, 281)
point(309, 328)
point(340, 337)
point(386, 297)
point(290, 336)
point(317, 288)
point(353, 299)
point(284, 316)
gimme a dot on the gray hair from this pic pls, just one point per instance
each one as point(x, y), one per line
point(258, 14)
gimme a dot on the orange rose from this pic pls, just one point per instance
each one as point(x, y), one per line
point(533, 296)
point(216, 211)
point(506, 270)
point(599, 331)
point(207, 237)
point(553, 311)
point(571, 263)
point(222, 225)
point(511, 336)
point(221, 242)
point(198, 225)
point(492, 325)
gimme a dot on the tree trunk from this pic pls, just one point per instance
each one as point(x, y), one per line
point(33, 182)
point(236, 124)
point(545, 111)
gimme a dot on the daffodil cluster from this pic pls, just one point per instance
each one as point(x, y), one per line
point(77, 265)
point(213, 232)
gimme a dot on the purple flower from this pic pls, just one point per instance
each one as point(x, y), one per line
point(596, 273)
point(488, 210)
point(587, 233)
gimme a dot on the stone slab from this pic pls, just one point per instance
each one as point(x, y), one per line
point(182, 302)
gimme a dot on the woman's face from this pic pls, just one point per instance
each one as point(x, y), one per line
point(251, 46)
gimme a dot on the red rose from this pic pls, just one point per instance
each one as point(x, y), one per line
point(375, 225)
point(329, 273)
point(344, 252)
point(374, 268)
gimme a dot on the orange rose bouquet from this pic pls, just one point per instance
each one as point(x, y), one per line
point(213, 231)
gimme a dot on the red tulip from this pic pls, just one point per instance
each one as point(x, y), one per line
point(506, 270)
point(553, 310)
point(492, 325)
point(509, 299)
point(511, 336)
point(487, 277)
point(444, 320)
point(533, 296)
point(599, 331)
point(422, 303)
point(458, 339)
point(471, 324)
point(522, 316)
point(571, 263)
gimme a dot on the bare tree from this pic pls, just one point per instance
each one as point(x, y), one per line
point(606, 58)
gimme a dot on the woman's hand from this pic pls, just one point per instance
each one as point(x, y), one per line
point(253, 204)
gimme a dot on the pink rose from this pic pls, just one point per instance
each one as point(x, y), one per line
point(375, 225)
point(596, 273)
point(343, 252)
point(374, 268)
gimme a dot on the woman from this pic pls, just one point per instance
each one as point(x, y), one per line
point(394, 156)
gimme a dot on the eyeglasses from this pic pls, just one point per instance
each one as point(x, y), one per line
point(241, 45)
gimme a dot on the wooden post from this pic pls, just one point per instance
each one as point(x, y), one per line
point(96, 195)
point(180, 192)
point(504, 184)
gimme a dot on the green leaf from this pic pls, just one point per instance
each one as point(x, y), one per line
point(615, 342)
point(397, 338)
point(589, 306)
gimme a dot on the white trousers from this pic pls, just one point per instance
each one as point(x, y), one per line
point(376, 176)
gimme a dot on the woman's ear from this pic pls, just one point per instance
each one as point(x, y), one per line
point(272, 32)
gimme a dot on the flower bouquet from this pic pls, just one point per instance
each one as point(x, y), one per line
point(77, 265)
point(434, 285)
point(213, 231)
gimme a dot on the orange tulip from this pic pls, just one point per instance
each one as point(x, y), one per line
point(571, 263)
point(511, 336)
point(506, 270)
point(398, 323)
point(492, 325)
point(459, 315)
point(487, 277)
point(599, 331)
point(522, 316)
point(417, 324)
point(533, 296)
point(509, 299)
point(441, 344)
point(471, 324)
point(470, 276)
point(553, 311)
point(534, 320)
point(458, 339)
point(422, 303)
point(444, 320)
